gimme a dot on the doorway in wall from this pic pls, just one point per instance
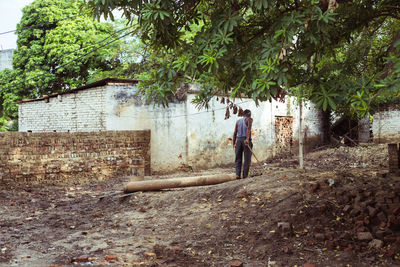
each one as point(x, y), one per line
point(283, 135)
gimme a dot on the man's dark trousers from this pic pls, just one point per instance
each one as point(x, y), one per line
point(241, 149)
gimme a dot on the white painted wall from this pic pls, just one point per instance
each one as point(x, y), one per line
point(210, 135)
point(82, 111)
point(124, 111)
point(386, 125)
point(312, 128)
point(181, 134)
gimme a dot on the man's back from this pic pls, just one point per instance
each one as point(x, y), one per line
point(242, 127)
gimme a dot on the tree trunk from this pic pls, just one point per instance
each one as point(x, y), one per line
point(326, 126)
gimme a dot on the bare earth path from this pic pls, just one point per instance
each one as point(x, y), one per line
point(320, 213)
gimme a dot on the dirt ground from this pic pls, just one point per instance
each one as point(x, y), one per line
point(342, 210)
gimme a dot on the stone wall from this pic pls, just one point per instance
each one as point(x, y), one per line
point(386, 125)
point(72, 158)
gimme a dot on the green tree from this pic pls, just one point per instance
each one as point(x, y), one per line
point(59, 46)
point(360, 75)
point(8, 99)
point(51, 49)
point(341, 54)
point(130, 52)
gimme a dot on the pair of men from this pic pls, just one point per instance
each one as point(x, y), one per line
point(242, 144)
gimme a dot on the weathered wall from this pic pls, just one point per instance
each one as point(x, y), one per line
point(210, 136)
point(312, 124)
point(364, 130)
point(81, 111)
point(126, 111)
point(72, 158)
point(6, 59)
point(386, 125)
point(181, 135)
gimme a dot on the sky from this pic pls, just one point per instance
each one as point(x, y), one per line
point(10, 14)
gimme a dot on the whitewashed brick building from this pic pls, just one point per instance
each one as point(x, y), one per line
point(181, 135)
point(386, 124)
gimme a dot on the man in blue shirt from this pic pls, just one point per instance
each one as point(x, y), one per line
point(241, 143)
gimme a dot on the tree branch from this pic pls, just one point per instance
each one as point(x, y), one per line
point(390, 63)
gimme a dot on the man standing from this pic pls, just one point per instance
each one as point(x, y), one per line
point(241, 143)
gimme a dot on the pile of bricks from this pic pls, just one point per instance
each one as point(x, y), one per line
point(376, 216)
point(283, 134)
point(72, 158)
point(372, 219)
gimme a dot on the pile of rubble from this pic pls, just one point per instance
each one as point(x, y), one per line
point(370, 219)
point(376, 216)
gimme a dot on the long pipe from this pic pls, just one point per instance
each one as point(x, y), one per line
point(150, 185)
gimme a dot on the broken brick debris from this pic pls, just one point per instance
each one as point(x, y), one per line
point(376, 243)
point(111, 257)
point(236, 264)
point(80, 259)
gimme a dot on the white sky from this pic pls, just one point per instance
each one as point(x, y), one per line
point(10, 15)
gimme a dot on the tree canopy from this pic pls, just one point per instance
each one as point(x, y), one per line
point(63, 30)
point(342, 54)
point(59, 46)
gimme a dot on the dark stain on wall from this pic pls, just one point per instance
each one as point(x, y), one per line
point(123, 97)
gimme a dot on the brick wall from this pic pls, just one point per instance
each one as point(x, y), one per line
point(386, 125)
point(69, 158)
point(81, 111)
point(283, 134)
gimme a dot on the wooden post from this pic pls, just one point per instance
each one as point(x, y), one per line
point(301, 145)
point(393, 152)
point(398, 156)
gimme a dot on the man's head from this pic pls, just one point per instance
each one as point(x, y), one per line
point(247, 113)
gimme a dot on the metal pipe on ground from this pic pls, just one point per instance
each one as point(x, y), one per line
point(151, 185)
